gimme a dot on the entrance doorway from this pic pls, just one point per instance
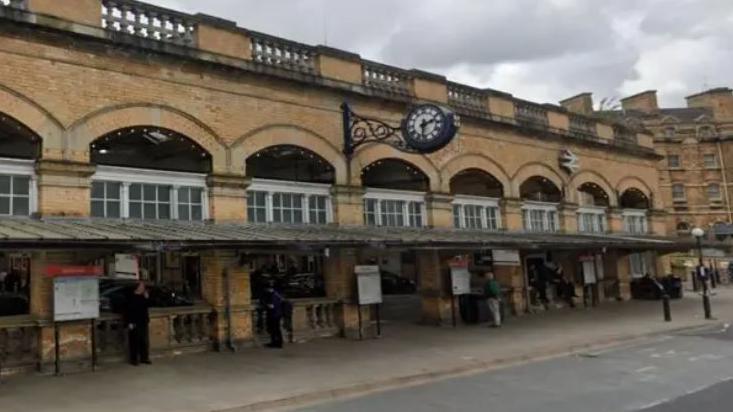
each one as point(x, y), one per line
point(536, 282)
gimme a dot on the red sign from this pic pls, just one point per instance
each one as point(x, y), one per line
point(72, 270)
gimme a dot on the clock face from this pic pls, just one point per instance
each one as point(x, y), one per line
point(428, 128)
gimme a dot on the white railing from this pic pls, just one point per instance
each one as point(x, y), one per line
point(283, 53)
point(150, 22)
point(386, 78)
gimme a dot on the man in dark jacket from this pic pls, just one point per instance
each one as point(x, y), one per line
point(137, 318)
point(273, 304)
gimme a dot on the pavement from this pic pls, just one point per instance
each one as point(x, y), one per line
point(333, 369)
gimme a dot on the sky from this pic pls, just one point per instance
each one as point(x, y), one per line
point(541, 50)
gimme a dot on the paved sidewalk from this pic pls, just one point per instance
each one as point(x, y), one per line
point(259, 379)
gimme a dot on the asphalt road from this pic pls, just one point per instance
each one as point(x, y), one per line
point(670, 373)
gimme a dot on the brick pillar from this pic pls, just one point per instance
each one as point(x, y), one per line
point(512, 277)
point(64, 188)
point(569, 218)
point(617, 266)
point(440, 210)
point(434, 288)
point(663, 263)
point(217, 265)
point(341, 285)
point(512, 214)
point(615, 220)
point(348, 205)
point(227, 198)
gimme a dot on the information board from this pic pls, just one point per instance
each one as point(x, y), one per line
point(369, 284)
point(589, 271)
point(506, 257)
point(460, 280)
point(75, 298)
point(126, 266)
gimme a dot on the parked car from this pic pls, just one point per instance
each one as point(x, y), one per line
point(652, 288)
point(13, 304)
point(113, 295)
point(393, 284)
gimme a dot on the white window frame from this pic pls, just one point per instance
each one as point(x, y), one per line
point(716, 161)
point(645, 265)
point(682, 196)
point(717, 198)
point(23, 168)
point(306, 189)
point(529, 206)
point(596, 212)
point(679, 161)
point(129, 175)
point(484, 203)
point(635, 213)
point(398, 195)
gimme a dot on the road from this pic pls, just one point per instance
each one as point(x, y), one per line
point(670, 374)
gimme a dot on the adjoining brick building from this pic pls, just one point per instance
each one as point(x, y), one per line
point(210, 152)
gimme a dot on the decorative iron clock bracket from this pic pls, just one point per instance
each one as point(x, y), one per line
point(359, 130)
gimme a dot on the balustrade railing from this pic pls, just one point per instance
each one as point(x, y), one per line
point(467, 98)
point(385, 78)
point(14, 4)
point(582, 125)
point(530, 113)
point(624, 135)
point(111, 335)
point(289, 55)
point(310, 318)
point(190, 327)
point(150, 22)
point(18, 345)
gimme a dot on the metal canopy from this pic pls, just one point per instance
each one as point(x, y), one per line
point(71, 233)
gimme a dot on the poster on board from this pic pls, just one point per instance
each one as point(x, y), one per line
point(506, 257)
point(369, 284)
point(75, 298)
point(460, 276)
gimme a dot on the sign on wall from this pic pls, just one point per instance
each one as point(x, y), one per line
point(369, 284)
point(569, 161)
point(506, 257)
point(460, 279)
point(126, 266)
point(75, 298)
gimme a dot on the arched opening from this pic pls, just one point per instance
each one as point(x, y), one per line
point(593, 201)
point(290, 163)
point(635, 205)
point(475, 205)
point(540, 189)
point(394, 174)
point(540, 197)
point(683, 227)
point(16, 140)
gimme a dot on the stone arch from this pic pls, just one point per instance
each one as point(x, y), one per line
point(371, 154)
point(101, 122)
point(585, 176)
point(283, 134)
point(535, 169)
point(36, 118)
point(633, 182)
point(473, 161)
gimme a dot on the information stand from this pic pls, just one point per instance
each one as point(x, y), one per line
point(460, 282)
point(75, 298)
point(369, 289)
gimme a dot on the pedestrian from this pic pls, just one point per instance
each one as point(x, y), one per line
point(137, 317)
point(272, 301)
point(541, 285)
point(567, 291)
point(492, 292)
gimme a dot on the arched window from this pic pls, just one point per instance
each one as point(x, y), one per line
point(593, 201)
point(683, 227)
point(395, 194)
point(290, 184)
point(540, 197)
point(19, 148)
point(476, 200)
point(635, 205)
point(150, 173)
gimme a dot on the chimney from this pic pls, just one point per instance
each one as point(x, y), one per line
point(645, 102)
point(719, 100)
point(582, 104)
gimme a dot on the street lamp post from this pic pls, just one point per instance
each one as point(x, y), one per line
point(698, 234)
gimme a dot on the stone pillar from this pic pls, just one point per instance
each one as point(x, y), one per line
point(658, 222)
point(615, 220)
point(440, 210)
point(225, 283)
point(434, 288)
point(512, 214)
point(341, 285)
point(663, 262)
point(513, 277)
point(227, 195)
point(348, 205)
point(568, 218)
point(64, 188)
point(618, 266)
point(86, 12)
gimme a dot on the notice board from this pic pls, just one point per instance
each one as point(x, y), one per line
point(369, 284)
point(75, 298)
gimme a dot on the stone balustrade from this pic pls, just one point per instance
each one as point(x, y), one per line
point(624, 135)
point(151, 22)
point(530, 113)
point(282, 53)
point(18, 345)
point(385, 78)
point(581, 125)
point(14, 4)
point(311, 318)
point(466, 98)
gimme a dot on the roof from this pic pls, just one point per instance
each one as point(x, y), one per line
point(69, 233)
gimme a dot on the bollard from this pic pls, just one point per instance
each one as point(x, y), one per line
point(706, 305)
point(666, 308)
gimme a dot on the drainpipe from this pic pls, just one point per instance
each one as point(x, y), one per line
point(725, 181)
point(228, 310)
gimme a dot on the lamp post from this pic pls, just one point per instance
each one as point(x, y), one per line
point(698, 234)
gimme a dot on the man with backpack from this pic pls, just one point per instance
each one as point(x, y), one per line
point(492, 292)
